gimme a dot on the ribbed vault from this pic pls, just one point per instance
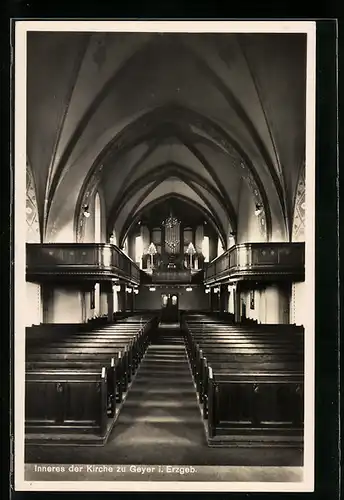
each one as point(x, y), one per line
point(124, 113)
point(166, 199)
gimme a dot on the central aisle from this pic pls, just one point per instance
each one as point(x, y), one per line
point(160, 419)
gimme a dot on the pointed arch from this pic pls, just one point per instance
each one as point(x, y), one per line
point(133, 217)
point(162, 172)
point(145, 126)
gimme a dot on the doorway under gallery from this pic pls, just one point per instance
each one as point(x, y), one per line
point(169, 307)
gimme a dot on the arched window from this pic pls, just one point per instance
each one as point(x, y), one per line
point(205, 248)
point(138, 250)
point(113, 238)
point(220, 249)
point(174, 300)
point(97, 219)
point(125, 246)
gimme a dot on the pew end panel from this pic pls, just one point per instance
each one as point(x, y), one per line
point(70, 401)
point(255, 409)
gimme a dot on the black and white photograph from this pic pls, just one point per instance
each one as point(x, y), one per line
point(164, 255)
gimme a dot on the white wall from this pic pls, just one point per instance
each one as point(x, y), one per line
point(94, 226)
point(195, 300)
point(145, 238)
point(220, 249)
point(115, 300)
point(96, 310)
point(33, 310)
point(62, 305)
point(87, 312)
point(63, 235)
point(97, 220)
point(103, 305)
point(231, 302)
point(271, 304)
point(298, 303)
point(199, 235)
point(248, 230)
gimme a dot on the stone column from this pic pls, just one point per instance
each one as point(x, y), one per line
point(122, 295)
point(103, 302)
point(236, 298)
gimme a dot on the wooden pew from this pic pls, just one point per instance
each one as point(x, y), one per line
point(66, 401)
point(255, 408)
point(114, 387)
point(79, 347)
point(64, 373)
point(247, 379)
point(262, 356)
point(258, 348)
point(116, 379)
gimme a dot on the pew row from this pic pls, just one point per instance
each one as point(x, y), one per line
point(249, 382)
point(77, 382)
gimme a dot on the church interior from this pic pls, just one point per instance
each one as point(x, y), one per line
point(165, 248)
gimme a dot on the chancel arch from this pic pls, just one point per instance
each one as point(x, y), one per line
point(170, 200)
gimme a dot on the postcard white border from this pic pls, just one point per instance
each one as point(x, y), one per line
point(21, 28)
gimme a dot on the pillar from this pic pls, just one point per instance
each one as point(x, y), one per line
point(103, 302)
point(122, 306)
point(223, 298)
point(214, 301)
point(107, 300)
point(115, 297)
point(236, 299)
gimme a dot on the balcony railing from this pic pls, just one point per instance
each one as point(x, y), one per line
point(179, 276)
point(88, 260)
point(258, 260)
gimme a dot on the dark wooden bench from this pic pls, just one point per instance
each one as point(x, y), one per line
point(247, 379)
point(64, 374)
point(241, 356)
point(114, 371)
point(238, 365)
point(63, 401)
point(121, 345)
point(255, 408)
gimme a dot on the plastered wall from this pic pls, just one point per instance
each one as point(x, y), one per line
point(270, 304)
point(33, 307)
point(195, 300)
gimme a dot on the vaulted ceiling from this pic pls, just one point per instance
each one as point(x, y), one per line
point(212, 118)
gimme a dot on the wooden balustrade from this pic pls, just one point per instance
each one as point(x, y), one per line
point(260, 261)
point(87, 260)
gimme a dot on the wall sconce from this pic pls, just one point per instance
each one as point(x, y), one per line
point(216, 289)
point(188, 289)
point(129, 290)
point(152, 288)
point(136, 291)
point(258, 209)
point(86, 212)
point(207, 290)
